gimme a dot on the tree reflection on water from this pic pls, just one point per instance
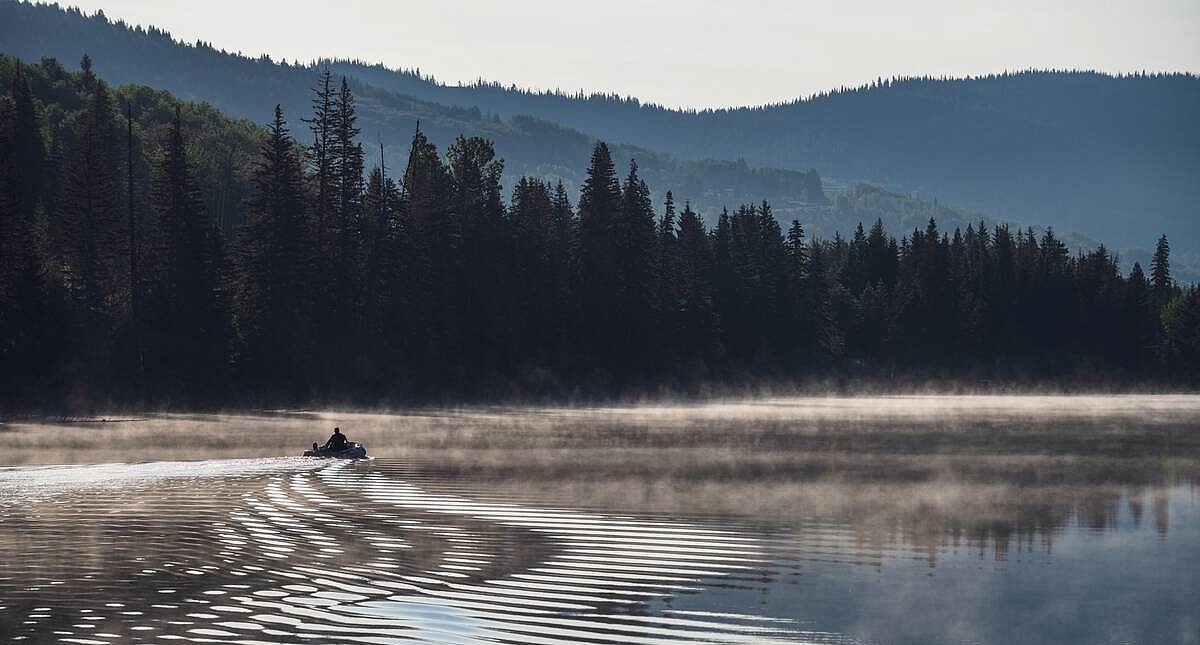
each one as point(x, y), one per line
point(820, 520)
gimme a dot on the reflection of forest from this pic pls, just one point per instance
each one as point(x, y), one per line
point(991, 486)
point(994, 473)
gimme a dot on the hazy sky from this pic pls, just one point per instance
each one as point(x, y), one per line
point(694, 53)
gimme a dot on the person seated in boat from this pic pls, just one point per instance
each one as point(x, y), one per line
point(337, 441)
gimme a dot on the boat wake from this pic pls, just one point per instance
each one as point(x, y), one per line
point(357, 552)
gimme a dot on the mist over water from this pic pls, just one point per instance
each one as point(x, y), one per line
point(869, 520)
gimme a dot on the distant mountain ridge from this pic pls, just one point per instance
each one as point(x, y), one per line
point(1112, 158)
point(1053, 147)
point(250, 87)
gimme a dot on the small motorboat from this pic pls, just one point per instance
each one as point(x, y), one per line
point(353, 450)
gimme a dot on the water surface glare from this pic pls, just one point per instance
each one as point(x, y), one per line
point(920, 520)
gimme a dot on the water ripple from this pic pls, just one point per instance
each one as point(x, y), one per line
point(354, 552)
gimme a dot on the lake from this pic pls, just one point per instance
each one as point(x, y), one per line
point(895, 520)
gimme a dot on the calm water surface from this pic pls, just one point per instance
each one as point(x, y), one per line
point(909, 520)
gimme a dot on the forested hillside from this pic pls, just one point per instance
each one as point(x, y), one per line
point(186, 258)
point(1082, 151)
point(1099, 156)
point(249, 87)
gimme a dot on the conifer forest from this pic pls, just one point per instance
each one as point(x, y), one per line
point(157, 252)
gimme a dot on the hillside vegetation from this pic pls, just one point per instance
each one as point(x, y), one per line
point(1106, 157)
point(187, 258)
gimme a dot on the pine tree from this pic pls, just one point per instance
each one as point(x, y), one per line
point(20, 285)
point(1160, 273)
point(346, 157)
point(634, 236)
point(666, 224)
point(666, 271)
point(273, 312)
point(881, 256)
point(797, 343)
point(27, 156)
point(827, 339)
point(21, 165)
point(1181, 335)
point(599, 210)
point(386, 254)
point(754, 296)
point(437, 232)
point(191, 341)
point(339, 245)
point(322, 155)
point(563, 268)
point(695, 319)
point(599, 205)
point(531, 215)
point(481, 261)
point(1140, 337)
point(91, 227)
point(772, 249)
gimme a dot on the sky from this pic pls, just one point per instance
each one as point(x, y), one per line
point(693, 53)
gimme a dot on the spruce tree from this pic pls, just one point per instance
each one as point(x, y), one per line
point(1160, 273)
point(26, 154)
point(91, 227)
point(273, 310)
point(476, 173)
point(666, 294)
point(21, 166)
point(563, 268)
point(797, 251)
point(1140, 333)
point(599, 209)
point(437, 231)
point(695, 319)
point(532, 296)
point(340, 255)
point(188, 316)
point(322, 155)
point(599, 206)
point(798, 342)
point(634, 236)
point(385, 272)
point(1181, 335)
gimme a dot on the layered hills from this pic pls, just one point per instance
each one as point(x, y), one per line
point(1112, 159)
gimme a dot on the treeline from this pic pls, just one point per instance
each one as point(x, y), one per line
point(249, 87)
point(120, 283)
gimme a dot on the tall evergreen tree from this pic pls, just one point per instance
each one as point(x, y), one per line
point(531, 215)
point(322, 154)
point(273, 296)
point(634, 238)
point(1160, 273)
point(666, 284)
point(27, 327)
point(425, 200)
point(695, 317)
point(339, 224)
point(189, 317)
point(387, 255)
point(1140, 332)
point(482, 261)
point(1181, 334)
point(21, 166)
point(26, 158)
point(563, 268)
point(599, 209)
point(91, 226)
point(797, 343)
